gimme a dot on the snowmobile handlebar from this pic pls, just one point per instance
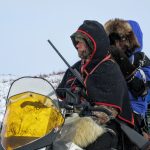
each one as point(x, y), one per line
point(72, 103)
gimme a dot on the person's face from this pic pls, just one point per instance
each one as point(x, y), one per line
point(121, 41)
point(123, 45)
point(82, 49)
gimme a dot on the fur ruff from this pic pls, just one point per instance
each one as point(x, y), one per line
point(122, 27)
point(87, 131)
point(117, 26)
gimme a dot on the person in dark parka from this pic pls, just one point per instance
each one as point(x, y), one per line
point(104, 83)
point(126, 37)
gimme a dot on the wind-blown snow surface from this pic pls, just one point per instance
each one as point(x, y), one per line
point(6, 80)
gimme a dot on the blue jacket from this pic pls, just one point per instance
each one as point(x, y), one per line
point(139, 105)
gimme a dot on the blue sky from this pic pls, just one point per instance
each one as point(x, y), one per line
point(26, 25)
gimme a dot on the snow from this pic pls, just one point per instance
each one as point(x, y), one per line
point(5, 83)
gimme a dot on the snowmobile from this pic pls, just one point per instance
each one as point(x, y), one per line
point(34, 119)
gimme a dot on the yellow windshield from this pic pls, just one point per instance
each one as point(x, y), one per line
point(29, 116)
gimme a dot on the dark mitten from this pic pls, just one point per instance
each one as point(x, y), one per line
point(72, 98)
point(126, 67)
point(140, 59)
point(137, 87)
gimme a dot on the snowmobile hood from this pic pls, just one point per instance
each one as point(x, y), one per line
point(138, 33)
point(94, 31)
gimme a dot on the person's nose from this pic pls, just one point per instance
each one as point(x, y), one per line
point(78, 46)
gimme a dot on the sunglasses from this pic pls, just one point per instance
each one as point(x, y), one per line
point(116, 37)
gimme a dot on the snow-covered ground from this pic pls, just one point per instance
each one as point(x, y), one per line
point(6, 80)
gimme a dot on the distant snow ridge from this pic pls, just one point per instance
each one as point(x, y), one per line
point(54, 78)
point(6, 80)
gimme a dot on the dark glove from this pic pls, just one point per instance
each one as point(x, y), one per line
point(137, 87)
point(138, 59)
point(72, 98)
point(125, 65)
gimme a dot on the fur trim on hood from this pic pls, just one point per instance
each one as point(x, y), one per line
point(95, 32)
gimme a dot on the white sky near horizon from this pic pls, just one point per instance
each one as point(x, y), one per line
point(26, 25)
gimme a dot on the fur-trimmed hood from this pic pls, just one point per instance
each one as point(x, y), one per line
point(128, 28)
point(95, 32)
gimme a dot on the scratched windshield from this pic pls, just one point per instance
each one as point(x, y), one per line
point(31, 113)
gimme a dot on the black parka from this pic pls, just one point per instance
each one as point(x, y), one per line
point(103, 79)
point(104, 82)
